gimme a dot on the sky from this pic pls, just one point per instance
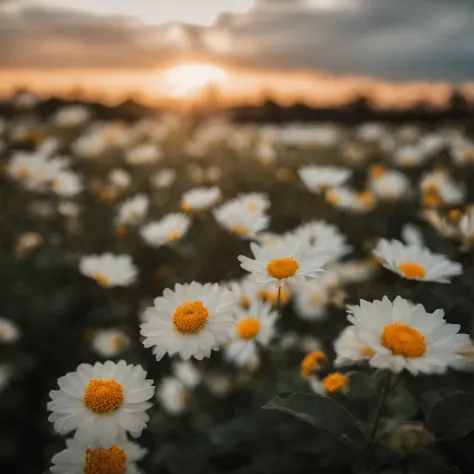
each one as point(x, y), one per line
point(306, 47)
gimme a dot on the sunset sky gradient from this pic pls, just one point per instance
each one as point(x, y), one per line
point(316, 51)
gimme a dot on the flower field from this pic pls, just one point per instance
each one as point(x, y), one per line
point(187, 297)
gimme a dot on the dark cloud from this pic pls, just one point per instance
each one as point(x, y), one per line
point(403, 39)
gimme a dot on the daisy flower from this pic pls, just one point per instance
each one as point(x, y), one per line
point(412, 236)
point(67, 184)
point(109, 343)
point(406, 337)
point(102, 402)
point(119, 178)
point(320, 178)
point(27, 242)
point(390, 185)
point(331, 385)
point(312, 363)
point(236, 217)
point(409, 156)
point(253, 328)
point(350, 349)
point(438, 189)
point(109, 270)
point(416, 263)
point(311, 300)
point(191, 320)
point(163, 179)
point(8, 331)
point(255, 202)
point(172, 395)
point(133, 210)
point(168, 230)
point(71, 116)
point(187, 373)
point(199, 199)
point(285, 261)
point(93, 458)
point(143, 154)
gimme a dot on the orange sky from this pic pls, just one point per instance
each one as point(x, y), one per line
point(153, 87)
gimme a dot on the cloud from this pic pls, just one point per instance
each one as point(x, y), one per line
point(402, 40)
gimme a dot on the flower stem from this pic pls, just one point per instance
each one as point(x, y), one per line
point(378, 411)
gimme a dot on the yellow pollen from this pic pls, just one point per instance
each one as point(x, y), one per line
point(377, 171)
point(101, 279)
point(283, 268)
point(311, 363)
point(103, 396)
point(272, 296)
point(240, 230)
point(366, 197)
point(332, 197)
point(335, 382)
point(185, 207)
point(105, 461)
point(117, 343)
point(412, 270)
point(431, 197)
point(252, 206)
point(455, 214)
point(367, 352)
point(173, 236)
point(263, 295)
point(120, 231)
point(316, 298)
point(403, 340)
point(190, 317)
point(248, 328)
point(22, 172)
point(107, 195)
point(245, 302)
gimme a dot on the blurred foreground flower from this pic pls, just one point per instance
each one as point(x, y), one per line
point(109, 270)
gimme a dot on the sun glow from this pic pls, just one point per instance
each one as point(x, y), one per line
point(187, 79)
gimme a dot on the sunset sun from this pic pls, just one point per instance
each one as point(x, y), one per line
point(188, 78)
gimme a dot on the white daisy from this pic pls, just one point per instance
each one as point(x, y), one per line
point(71, 116)
point(102, 402)
point(409, 156)
point(350, 349)
point(163, 179)
point(255, 202)
point(416, 263)
point(404, 336)
point(438, 188)
point(412, 236)
point(109, 270)
point(311, 299)
point(93, 458)
point(67, 184)
point(9, 332)
point(236, 217)
point(168, 230)
point(254, 327)
point(172, 395)
point(191, 320)
point(109, 343)
point(325, 237)
point(199, 199)
point(390, 185)
point(187, 373)
point(333, 384)
point(119, 178)
point(133, 210)
point(285, 261)
point(143, 154)
point(320, 178)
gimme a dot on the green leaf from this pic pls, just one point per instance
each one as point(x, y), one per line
point(429, 462)
point(452, 416)
point(323, 413)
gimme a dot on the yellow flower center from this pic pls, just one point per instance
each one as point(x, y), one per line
point(272, 296)
point(367, 352)
point(245, 302)
point(248, 328)
point(117, 343)
point(316, 299)
point(412, 270)
point(283, 268)
point(311, 363)
point(101, 279)
point(455, 214)
point(431, 197)
point(332, 197)
point(335, 382)
point(120, 231)
point(252, 206)
point(173, 236)
point(240, 230)
point(107, 195)
point(366, 198)
point(190, 317)
point(377, 171)
point(105, 461)
point(403, 340)
point(22, 172)
point(263, 295)
point(103, 396)
point(185, 207)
